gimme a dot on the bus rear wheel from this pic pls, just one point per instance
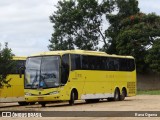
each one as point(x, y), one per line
point(116, 95)
point(123, 95)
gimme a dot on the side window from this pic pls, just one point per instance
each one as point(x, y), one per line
point(131, 65)
point(97, 62)
point(75, 62)
point(126, 64)
point(19, 64)
point(106, 63)
point(85, 65)
point(116, 64)
point(65, 69)
point(123, 64)
point(111, 64)
point(91, 62)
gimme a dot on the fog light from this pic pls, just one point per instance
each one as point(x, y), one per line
point(54, 92)
point(29, 94)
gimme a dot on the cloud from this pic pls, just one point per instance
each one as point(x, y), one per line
point(25, 25)
point(149, 6)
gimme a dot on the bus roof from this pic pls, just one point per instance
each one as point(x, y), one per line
point(19, 58)
point(83, 52)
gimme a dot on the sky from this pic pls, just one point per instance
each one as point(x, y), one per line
point(25, 24)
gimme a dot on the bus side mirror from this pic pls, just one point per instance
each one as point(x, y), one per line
point(21, 71)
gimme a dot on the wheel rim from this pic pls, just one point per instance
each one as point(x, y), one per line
point(73, 97)
point(123, 95)
point(116, 95)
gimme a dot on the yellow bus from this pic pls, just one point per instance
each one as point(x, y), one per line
point(76, 74)
point(14, 93)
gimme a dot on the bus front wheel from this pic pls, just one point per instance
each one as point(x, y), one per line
point(43, 104)
point(72, 98)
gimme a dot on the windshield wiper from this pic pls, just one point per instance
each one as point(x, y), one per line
point(35, 79)
point(42, 78)
point(32, 69)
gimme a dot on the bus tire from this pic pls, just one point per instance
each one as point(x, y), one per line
point(43, 104)
point(72, 98)
point(23, 103)
point(116, 95)
point(123, 95)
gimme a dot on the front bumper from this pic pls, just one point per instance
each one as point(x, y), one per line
point(42, 98)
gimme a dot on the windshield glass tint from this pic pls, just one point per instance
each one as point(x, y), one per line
point(42, 72)
point(49, 72)
point(32, 73)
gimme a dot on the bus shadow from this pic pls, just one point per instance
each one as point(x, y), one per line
point(12, 106)
point(129, 100)
point(66, 104)
point(9, 106)
point(62, 104)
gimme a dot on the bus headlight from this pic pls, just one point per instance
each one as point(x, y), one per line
point(29, 94)
point(54, 92)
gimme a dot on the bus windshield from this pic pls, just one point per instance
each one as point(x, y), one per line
point(42, 72)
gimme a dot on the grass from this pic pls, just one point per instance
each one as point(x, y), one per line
point(148, 92)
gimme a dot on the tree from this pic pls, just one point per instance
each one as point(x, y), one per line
point(6, 65)
point(126, 8)
point(132, 32)
point(137, 34)
point(153, 57)
point(61, 38)
point(78, 24)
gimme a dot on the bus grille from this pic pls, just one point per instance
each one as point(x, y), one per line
point(131, 87)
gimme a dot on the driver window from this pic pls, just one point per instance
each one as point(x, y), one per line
point(65, 68)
